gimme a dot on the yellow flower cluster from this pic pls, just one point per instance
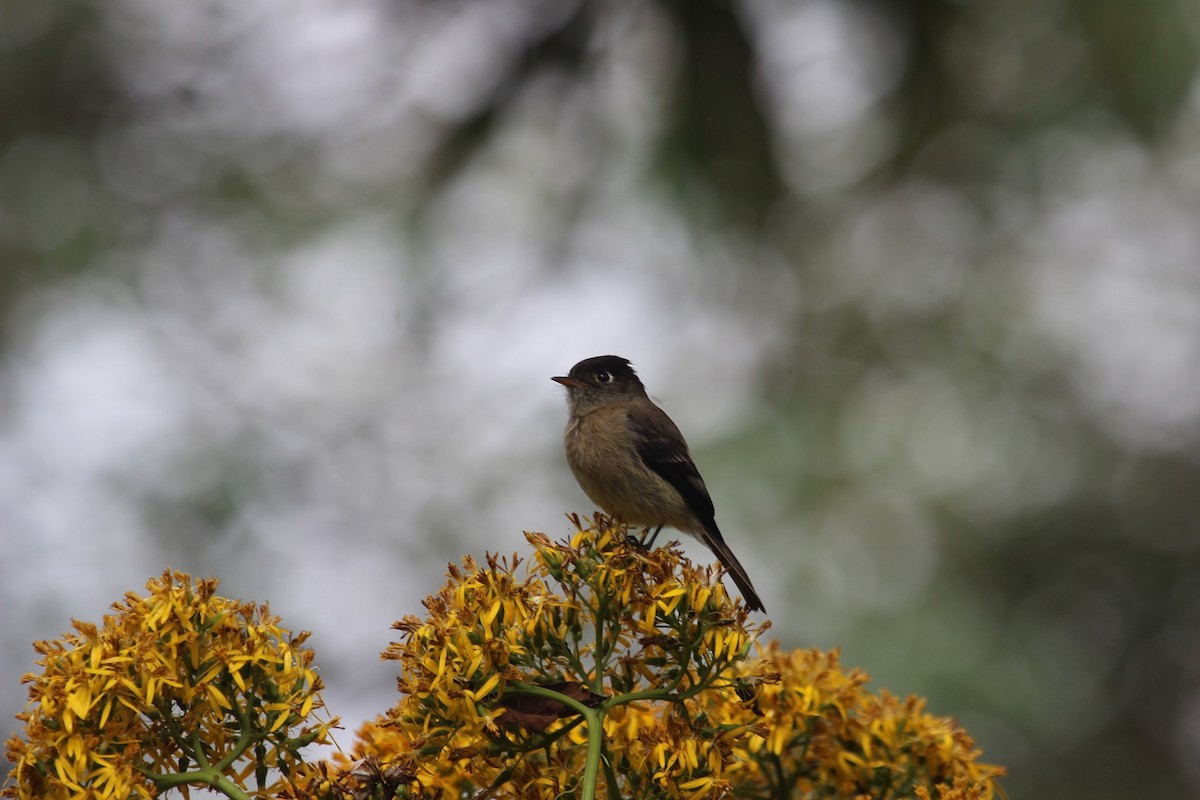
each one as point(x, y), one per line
point(636, 676)
point(597, 667)
point(822, 733)
point(181, 687)
point(490, 677)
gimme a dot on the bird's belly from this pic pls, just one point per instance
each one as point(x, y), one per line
point(619, 482)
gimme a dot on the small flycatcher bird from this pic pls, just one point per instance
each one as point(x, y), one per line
point(632, 461)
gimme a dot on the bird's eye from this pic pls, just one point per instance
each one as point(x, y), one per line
point(603, 377)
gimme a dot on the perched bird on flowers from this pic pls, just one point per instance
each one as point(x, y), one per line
point(632, 461)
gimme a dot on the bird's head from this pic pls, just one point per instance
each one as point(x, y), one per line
point(598, 380)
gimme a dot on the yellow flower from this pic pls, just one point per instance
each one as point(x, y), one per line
point(596, 617)
point(595, 665)
point(824, 728)
point(169, 686)
point(686, 708)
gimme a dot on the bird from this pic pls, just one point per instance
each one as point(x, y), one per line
point(632, 461)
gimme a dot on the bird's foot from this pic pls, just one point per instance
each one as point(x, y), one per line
point(648, 543)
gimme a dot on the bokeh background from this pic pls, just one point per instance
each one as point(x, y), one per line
point(282, 284)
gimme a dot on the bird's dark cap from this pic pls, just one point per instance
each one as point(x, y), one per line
point(599, 370)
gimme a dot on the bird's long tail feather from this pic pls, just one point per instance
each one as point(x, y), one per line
point(712, 537)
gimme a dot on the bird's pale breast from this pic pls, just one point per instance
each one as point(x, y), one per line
point(602, 454)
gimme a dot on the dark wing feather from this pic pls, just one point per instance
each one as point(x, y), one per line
point(662, 448)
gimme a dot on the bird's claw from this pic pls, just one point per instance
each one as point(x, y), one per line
point(644, 542)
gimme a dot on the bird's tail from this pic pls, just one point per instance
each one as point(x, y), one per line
point(716, 543)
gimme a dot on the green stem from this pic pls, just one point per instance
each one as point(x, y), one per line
point(633, 697)
point(245, 740)
point(208, 776)
point(592, 718)
point(211, 775)
point(601, 652)
point(591, 767)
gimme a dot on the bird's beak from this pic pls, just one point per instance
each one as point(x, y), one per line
point(570, 383)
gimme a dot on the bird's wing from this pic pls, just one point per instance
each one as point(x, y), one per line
point(663, 450)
